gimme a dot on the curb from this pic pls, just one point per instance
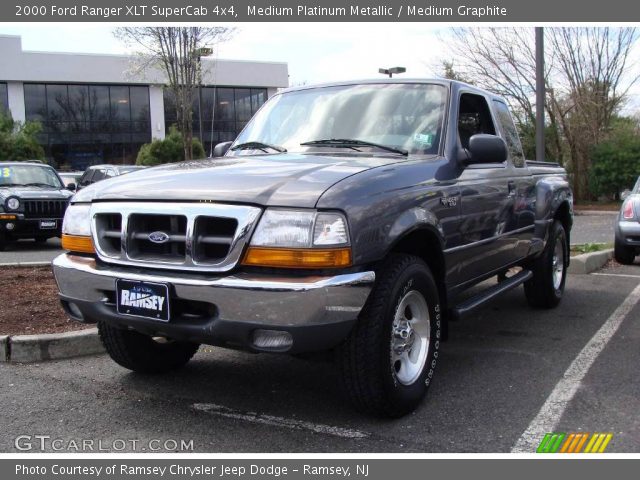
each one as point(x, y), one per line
point(589, 262)
point(25, 264)
point(595, 212)
point(4, 348)
point(50, 346)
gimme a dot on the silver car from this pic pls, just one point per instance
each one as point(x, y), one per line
point(627, 244)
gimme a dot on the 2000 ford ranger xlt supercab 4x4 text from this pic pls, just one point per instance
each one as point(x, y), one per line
point(349, 216)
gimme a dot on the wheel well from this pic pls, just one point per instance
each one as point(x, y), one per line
point(563, 213)
point(426, 245)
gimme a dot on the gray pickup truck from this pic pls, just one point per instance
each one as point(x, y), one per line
point(351, 217)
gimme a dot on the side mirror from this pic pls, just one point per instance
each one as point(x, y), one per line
point(485, 148)
point(220, 149)
point(72, 187)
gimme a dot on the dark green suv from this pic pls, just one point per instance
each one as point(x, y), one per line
point(33, 200)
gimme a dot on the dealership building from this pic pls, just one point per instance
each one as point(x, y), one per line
point(102, 108)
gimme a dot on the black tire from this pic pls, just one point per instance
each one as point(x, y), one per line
point(624, 254)
point(367, 356)
point(542, 291)
point(142, 353)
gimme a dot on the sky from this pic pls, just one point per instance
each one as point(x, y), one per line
point(314, 52)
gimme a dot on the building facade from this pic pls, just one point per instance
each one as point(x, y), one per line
point(103, 108)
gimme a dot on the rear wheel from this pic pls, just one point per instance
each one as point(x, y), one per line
point(142, 353)
point(546, 288)
point(389, 358)
point(623, 253)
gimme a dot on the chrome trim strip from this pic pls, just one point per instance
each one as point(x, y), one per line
point(246, 216)
point(488, 240)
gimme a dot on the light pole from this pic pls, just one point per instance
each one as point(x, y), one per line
point(540, 94)
point(391, 71)
point(201, 52)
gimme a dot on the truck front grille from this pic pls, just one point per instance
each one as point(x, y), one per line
point(44, 208)
point(186, 236)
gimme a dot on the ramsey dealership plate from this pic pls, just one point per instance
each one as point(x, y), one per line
point(143, 299)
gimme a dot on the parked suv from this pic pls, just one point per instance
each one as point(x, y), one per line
point(33, 200)
point(95, 173)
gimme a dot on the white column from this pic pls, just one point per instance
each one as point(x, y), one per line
point(15, 92)
point(156, 111)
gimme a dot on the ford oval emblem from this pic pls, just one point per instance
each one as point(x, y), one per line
point(158, 237)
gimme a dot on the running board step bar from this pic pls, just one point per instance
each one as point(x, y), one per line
point(489, 294)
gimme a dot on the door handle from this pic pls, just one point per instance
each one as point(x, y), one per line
point(511, 187)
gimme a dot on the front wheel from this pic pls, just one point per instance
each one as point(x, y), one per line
point(546, 288)
point(142, 353)
point(388, 360)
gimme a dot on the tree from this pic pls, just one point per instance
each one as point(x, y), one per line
point(18, 141)
point(176, 51)
point(616, 160)
point(584, 80)
point(591, 80)
point(168, 150)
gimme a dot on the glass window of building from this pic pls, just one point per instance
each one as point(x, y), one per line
point(89, 124)
point(4, 97)
point(233, 109)
point(35, 102)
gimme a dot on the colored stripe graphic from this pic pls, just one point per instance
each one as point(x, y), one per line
point(573, 443)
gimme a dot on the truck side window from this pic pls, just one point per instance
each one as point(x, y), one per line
point(510, 133)
point(474, 117)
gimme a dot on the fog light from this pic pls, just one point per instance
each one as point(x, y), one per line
point(272, 339)
point(73, 310)
point(10, 226)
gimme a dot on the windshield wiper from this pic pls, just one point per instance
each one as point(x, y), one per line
point(2, 185)
point(348, 142)
point(38, 184)
point(258, 146)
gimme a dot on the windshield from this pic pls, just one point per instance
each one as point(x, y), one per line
point(403, 116)
point(32, 175)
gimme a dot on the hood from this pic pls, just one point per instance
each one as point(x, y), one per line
point(35, 193)
point(270, 180)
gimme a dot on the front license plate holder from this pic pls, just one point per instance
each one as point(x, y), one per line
point(143, 299)
point(48, 224)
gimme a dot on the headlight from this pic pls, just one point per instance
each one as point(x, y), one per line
point(300, 239)
point(76, 229)
point(13, 203)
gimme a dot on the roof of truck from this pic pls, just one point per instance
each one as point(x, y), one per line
point(376, 81)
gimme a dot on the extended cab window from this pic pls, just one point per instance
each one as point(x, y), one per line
point(509, 133)
point(474, 117)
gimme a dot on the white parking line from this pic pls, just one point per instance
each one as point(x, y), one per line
point(272, 420)
point(564, 391)
point(623, 275)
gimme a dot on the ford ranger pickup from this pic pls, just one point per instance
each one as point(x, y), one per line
point(353, 217)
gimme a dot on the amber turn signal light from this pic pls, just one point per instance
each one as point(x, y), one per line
point(78, 243)
point(298, 258)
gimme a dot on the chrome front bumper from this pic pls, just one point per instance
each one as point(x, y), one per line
point(318, 311)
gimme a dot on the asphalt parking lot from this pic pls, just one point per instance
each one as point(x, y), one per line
point(496, 374)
